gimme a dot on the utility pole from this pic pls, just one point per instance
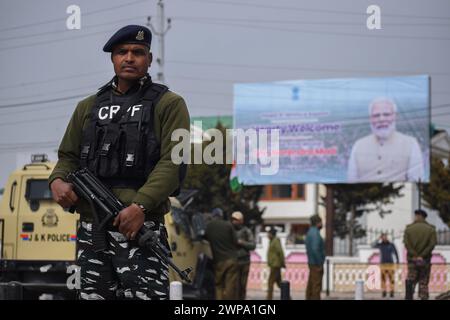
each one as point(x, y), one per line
point(160, 32)
point(419, 191)
point(329, 221)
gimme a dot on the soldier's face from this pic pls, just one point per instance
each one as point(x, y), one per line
point(131, 61)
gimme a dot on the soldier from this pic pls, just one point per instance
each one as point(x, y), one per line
point(223, 241)
point(420, 240)
point(122, 134)
point(246, 243)
point(316, 257)
point(275, 260)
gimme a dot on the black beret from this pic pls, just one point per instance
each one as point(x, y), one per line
point(421, 212)
point(129, 34)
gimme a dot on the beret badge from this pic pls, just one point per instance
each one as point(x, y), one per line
point(140, 35)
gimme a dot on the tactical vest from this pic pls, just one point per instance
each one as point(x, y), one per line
point(119, 145)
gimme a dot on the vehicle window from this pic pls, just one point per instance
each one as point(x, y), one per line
point(38, 190)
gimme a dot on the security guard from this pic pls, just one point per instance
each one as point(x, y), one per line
point(122, 134)
point(223, 240)
point(275, 261)
point(419, 239)
point(246, 242)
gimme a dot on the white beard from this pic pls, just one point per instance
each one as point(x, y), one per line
point(383, 133)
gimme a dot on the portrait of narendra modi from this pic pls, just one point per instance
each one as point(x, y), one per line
point(386, 154)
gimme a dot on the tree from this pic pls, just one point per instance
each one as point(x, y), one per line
point(351, 201)
point(213, 185)
point(436, 194)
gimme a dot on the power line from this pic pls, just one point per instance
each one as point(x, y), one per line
point(65, 30)
point(249, 26)
point(236, 81)
point(85, 95)
point(51, 93)
point(177, 77)
point(55, 41)
point(277, 7)
point(303, 22)
point(350, 121)
point(261, 67)
point(258, 27)
point(38, 108)
point(64, 18)
point(30, 83)
point(41, 101)
point(34, 120)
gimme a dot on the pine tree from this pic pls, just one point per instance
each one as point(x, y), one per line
point(213, 185)
point(436, 194)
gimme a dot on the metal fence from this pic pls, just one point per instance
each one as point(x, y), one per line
point(341, 277)
point(341, 246)
point(443, 237)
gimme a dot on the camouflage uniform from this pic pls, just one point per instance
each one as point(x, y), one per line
point(420, 240)
point(419, 274)
point(123, 271)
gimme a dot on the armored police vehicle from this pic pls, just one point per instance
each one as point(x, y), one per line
point(38, 240)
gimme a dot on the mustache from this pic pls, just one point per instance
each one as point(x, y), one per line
point(383, 132)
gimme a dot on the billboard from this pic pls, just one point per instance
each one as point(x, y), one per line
point(339, 130)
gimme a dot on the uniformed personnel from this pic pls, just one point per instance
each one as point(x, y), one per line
point(223, 240)
point(122, 134)
point(420, 240)
point(246, 243)
point(275, 261)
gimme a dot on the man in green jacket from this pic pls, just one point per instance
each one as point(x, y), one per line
point(122, 135)
point(223, 241)
point(315, 251)
point(246, 243)
point(420, 240)
point(275, 260)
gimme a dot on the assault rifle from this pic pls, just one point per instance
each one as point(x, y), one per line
point(87, 186)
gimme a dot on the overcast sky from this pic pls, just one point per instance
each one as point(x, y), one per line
point(211, 45)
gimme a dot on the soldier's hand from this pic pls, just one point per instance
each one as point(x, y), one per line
point(63, 193)
point(129, 221)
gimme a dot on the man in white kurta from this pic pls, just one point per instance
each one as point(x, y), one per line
point(386, 154)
